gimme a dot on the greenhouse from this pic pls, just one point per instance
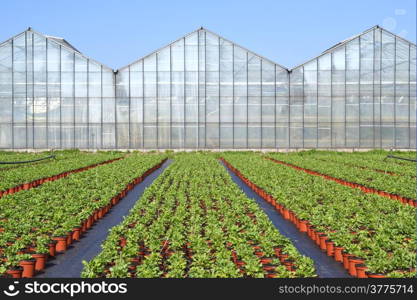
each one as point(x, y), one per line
point(205, 92)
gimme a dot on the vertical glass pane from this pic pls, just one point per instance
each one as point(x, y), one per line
point(324, 100)
point(352, 93)
point(282, 111)
point(387, 89)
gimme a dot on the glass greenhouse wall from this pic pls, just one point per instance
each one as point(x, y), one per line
point(205, 92)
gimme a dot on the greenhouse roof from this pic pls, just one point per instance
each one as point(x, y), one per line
point(66, 44)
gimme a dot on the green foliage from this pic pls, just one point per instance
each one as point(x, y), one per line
point(196, 211)
point(33, 217)
point(378, 229)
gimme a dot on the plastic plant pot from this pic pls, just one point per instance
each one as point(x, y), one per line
point(51, 247)
point(329, 248)
point(69, 238)
point(361, 271)
point(375, 275)
point(286, 214)
point(61, 243)
point(317, 237)
point(122, 241)
point(76, 232)
point(266, 260)
point(323, 239)
point(353, 261)
point(303, 225)
point(277, 251)
point(338, 253)
point(28, 268)
point(40, 259)
point(15, 272)
point(346, 260)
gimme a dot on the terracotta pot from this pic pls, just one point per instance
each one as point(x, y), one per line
point(84, 227)
point(317, 237)
point(289, 264)
point(15, 272)
point(338, 253)
point(89, 223)
point(353, 261)
point(122, 241)
point(95, 216)
point(412, 202)
point(329, 248)
point(268, 267)
point(266, 260)
point(346, 257)
point(309, 229)
point(76, 232)
point(40, 261)
point(360, 271)
point(259, 253)
point(323, 243)
point(28, 268)
point(291, 216)
point(303, 225)
point(239, 263)
point(277, 251)
point(101, 213)
point(286, 214)
point(69, 238)
point(313, 234)
point(51, 247)
point(375, 275)
point(61, 243)
point(283, 257)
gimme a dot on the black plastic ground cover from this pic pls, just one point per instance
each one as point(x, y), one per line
point(326, 267)
point(69, 264)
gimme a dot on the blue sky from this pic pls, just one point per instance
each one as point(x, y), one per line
point(117, 32)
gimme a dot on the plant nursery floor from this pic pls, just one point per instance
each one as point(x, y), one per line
point(69, 264)
point(326, 267)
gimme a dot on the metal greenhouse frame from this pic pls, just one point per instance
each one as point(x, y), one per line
point(205, 92)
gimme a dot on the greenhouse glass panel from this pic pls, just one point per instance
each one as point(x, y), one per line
point(205, 92)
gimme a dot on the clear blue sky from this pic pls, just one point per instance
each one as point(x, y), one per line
point(117, 32)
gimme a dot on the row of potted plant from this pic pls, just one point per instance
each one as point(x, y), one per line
point(402, 186)
point(31, 175)
point(37, 223)
point(193, 221)
point(373, 161)
point(379, 231)
point(365, 189)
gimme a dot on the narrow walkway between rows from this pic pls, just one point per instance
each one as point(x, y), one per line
point(69, 264)
point(326, 267)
